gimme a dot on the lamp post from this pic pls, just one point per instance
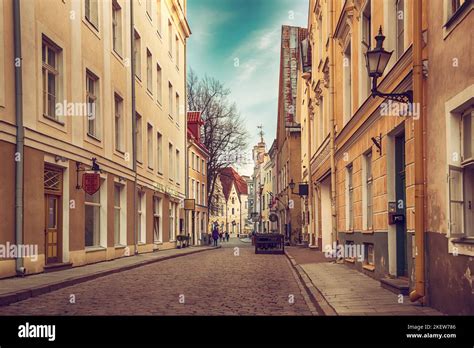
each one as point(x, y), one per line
point(377, 60)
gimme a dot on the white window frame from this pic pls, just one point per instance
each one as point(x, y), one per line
point(158, 214)
point(117, 28)
point(454, 108)
point(141, 211)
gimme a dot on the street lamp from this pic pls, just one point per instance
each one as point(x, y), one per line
point(377, 60)
point(292, 185)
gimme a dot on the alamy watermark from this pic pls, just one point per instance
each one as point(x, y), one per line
point(345, 251)
point(14, 251)
point(393, 108)
point(76, 109)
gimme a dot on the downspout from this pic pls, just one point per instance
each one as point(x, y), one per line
point(20, 136)
point(418, 294)
point(332, 123)
point(186, 145)
point(134, 130)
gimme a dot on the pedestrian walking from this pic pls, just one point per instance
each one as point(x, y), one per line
point(227, 236)
point(220, 237)
point(215, 235)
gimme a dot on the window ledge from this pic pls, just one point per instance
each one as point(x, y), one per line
point(94, 249)
point(120, 246)
point(368, 231)
point(141, 243)
point(158, 243)
point(52, 119)
point(370, 268)
point(350, 260)
point(467, 240)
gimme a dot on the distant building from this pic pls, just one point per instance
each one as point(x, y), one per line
point(231, 195)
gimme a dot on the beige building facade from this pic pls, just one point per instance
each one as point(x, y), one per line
point(77, 105)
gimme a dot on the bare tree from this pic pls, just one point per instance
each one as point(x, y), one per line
point(223, 133)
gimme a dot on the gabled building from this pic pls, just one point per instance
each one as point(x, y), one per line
point(231, 198)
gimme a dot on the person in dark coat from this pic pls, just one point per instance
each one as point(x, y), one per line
point(215, 235)
point(227, 236)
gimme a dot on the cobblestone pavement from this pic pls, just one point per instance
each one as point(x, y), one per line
point(212, 283)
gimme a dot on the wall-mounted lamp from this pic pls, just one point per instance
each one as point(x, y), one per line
point(377, 60)
point(378, 143)
point(58, 158)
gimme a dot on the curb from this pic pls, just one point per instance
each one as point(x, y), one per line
point(21, 295)
point(321, 304)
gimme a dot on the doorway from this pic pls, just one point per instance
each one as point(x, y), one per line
point(400, 195)
point(53, 179)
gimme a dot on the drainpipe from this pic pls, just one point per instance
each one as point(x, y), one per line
point(20, 136)
point(332, 123)
point(134, 129)
point(418, 294)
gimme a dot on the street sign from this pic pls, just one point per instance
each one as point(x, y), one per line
point(189, 204)
point(91, 182)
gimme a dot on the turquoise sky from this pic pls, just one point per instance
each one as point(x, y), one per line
point(247, 30)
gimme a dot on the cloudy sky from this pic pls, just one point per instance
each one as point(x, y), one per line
point(247, 32)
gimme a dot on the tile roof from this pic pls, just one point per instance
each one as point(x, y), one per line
point(228, 177)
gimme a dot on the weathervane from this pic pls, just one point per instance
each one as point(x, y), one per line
point(261, 132)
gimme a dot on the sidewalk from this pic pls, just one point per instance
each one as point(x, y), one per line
point(340, 290)
point(18, 289)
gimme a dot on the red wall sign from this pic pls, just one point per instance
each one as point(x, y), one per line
point(91, 182)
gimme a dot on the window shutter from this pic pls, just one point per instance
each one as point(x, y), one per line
point(456, 203)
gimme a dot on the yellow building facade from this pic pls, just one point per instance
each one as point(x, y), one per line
point(77, 105)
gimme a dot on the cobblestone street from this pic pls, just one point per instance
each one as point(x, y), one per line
point(212, 283)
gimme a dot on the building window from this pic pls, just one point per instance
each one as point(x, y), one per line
point(149, 71)
point(139, 132)
point(138, 56)
point(92, 12)
point(141, 207)
point(92, 95)
point(50, 67)
point(170, 162)
point(149, 9)
point(233, 211)
point(198, 195)
point(157, 213)
point(119, 120)
point(192, 189)
point(461, 182)
point(149, 136)
point(177, 111)
point(369, 254)
point(92, 220)
point(203, 166)
point(172, 218)
point(158, 15)
point(159, 80)
point(400, 13)
point(347, 86)
point(118, 213)
point(176, 43)
point(368, 197)
point(170, 38)
point(170, 99)
point(203, 192)
point(117, 27)
point(178, 172)
point(350, 198)
point(455, 7)
point(159, 151)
